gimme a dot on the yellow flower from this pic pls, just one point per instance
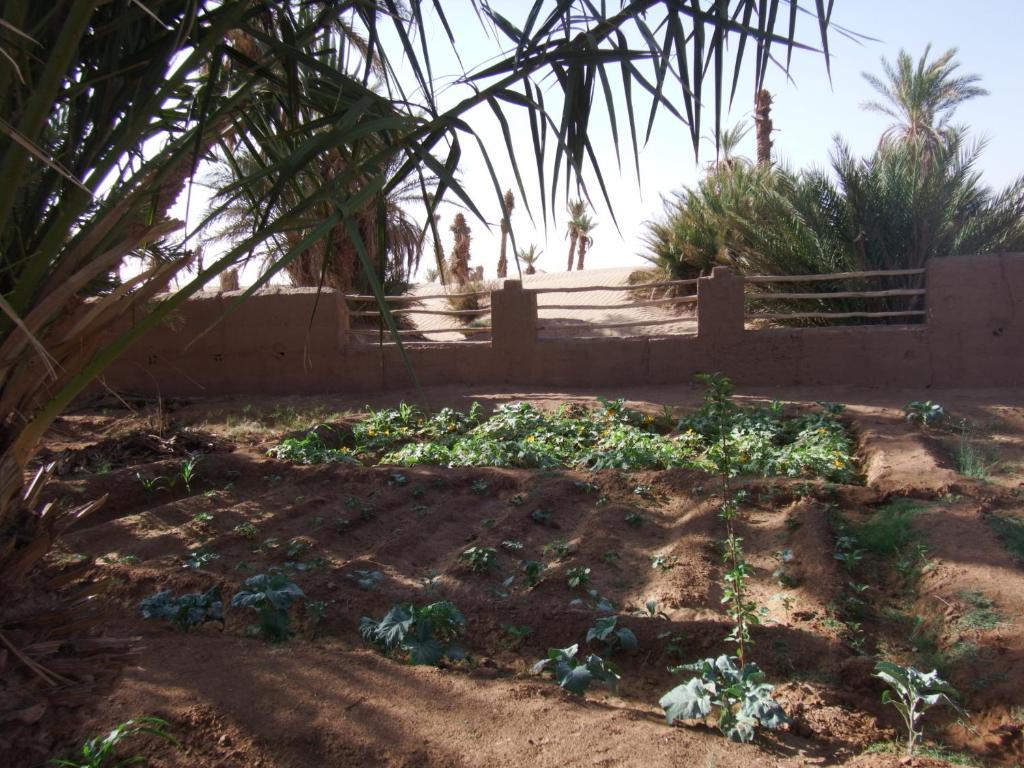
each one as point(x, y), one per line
point(648, 419)
point(529, 438)
point(837, 464)
point(822, 431)
point(451, 427)
point(370, 432)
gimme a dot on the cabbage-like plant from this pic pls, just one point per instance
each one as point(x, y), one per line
point(271, 595)
point(915, 693)
point(421, 635)
point(614, 637)
point(189, 610)
point(742, 699)
point(573, 674)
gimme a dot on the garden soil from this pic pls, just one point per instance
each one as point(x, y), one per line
point(325, 699)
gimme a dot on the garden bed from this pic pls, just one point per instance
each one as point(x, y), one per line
point(359, 538)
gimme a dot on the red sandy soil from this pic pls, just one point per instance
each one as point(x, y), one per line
point(323, 699)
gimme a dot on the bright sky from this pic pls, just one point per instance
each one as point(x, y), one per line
point(807, 113)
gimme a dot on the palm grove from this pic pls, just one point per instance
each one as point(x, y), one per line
point(917, 196)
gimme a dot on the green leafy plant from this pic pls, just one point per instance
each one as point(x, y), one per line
point(737, 693)
point(614, 637)
point(101, 751)
point(533, 570)
point(186, 611)
point(541, 516)
point(420, 635)
point(663, 563)
point(651, 611)
point(512, 546)
point(577, 577)
point(365, 579)
point(643, 491)
point(594, 601)
point(610, 556)
point(912, 694)
point(634, 519)
point(924, 412)
point(296, 548)
point(573, 674)
point(311, 449)
point(560, 548)
point(188, 472)
point(246, 530)
point(271, 595)
point(199, 558)
point(479, 559)
point(150, 484)
point(480, 487)
point(517, 500)
point(517, 634)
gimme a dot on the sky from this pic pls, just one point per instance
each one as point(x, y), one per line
point(808, 112)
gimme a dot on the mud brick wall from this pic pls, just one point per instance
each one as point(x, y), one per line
point(289, 341)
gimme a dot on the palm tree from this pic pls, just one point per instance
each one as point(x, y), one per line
point(763, 121)
point(94, 151)
point(921, 99)
point(509, 204)
point(458, 263)
point(577, 230)
point(727, 146)
point(584, 226)
point(331, 262)
point(529, 257)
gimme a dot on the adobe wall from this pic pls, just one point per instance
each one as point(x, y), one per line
point(286, 341)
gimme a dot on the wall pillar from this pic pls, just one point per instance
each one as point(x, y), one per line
point(514, 329)
point(720, 305)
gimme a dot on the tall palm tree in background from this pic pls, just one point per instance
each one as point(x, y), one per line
point(583, 225)
point(763, 121)
point(921, 98)
point(458, 263)
point(509, 202)
point(109, 108)
point(576, 209)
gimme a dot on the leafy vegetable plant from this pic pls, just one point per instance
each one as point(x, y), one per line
point(914, 693)
point(605, 630)
point(925, 412)
point(187, 611)
point(101, 751)
point(577, 577)
point(271, 595)
point(479, 559)
point(742, 699)
point(311, 449)
point(533, 570)
point(365, 579)
point(541, 516)
point(421, 635)
point(573, 674)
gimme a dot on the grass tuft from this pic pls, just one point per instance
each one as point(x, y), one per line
point(1011, 531)
point(890, 531)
